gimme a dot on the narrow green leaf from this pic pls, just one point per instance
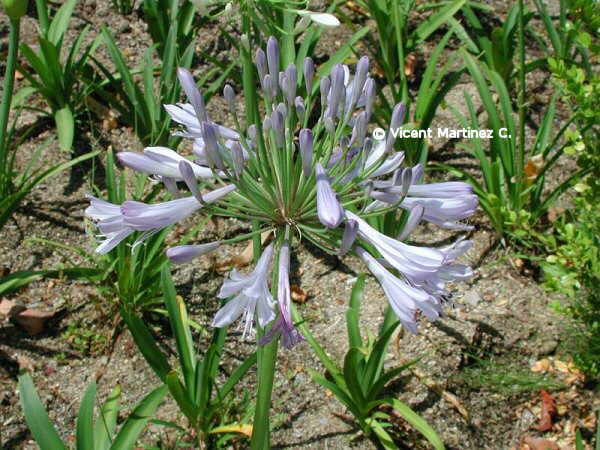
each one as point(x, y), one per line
point(146, 344)
point(435, 21)
point(106, 422)
point(36, 417)
point(65, 127)
point(181, 328)
point(353, 313)
point(60, 22)
point(354, 377)
point(137, 420)
point(85, 419)
point(418, 422)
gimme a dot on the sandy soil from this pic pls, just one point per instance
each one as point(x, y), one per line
point(501, 315)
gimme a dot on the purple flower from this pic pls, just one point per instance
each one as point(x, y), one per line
point(349, 236)
point(251, 296)
point(284, 325)
point(161, 161)
point(415, 263)
point(117, 222)
point(185, 253)
point(404, 299)
point(329, 210)
point(109, 220)
point(414, 217)
point(388, 164)
point(306, 150)
point(192, 114)
point(445, 203)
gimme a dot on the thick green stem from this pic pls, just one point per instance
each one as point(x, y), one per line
point(520, 156)
point(261, 433)
point(9, 81)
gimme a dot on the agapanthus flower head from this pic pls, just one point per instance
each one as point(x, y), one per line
point(306, 170)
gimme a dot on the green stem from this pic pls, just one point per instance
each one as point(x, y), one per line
point(9, 81)
point(520, 156)
point(261, 439)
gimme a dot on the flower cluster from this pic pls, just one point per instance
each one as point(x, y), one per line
point(307, 170)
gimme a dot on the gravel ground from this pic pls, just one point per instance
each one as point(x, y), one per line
point(502, 314)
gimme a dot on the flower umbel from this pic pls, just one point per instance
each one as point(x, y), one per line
point(306, 175)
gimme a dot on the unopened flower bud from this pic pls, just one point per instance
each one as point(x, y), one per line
point(15, 9)
point(309, 74)
point(369, 97)
point(273, 60)
point(237, 156)
point(337, 90)
point(260, 59)
point(306, 150)
point(229, 95)
point(291, 77)
point(300, 109)
point(324, 86)
point(277, 121)
point(185, 253)
point(395, 123)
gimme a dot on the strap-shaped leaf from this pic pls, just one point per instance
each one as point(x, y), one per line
point(338, 391)
point(377, 356)
point(146, 344)
point(181, 329)
point(137, 420)
point(353, 313)
point(435, 21)
point(106, 422)
point(354, 376)
point(36, 417)
point(60, 21)
point(417, 422)
point(65, 127)
point(85, 419)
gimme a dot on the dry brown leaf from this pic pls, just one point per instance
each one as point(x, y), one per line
point(543, 365)
point(548, 411)
point(298, 294)
point(410, 65)
point(540, 444)
point(33, 320)
point(244, 258)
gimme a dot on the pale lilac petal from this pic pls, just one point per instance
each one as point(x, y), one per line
point(185, 253)
point(329, 210)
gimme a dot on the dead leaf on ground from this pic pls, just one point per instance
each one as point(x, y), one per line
point(410, 65)
point(244, 258)
point(548, 411)
point(298, 294)
point(543, 365)
point(532, 443)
